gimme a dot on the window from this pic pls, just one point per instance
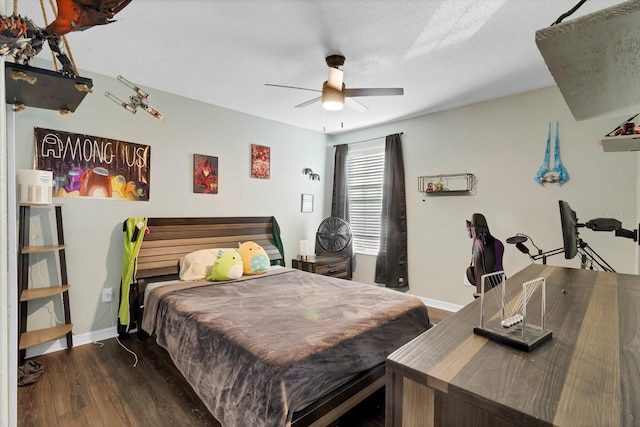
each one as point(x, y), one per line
point(365, 172)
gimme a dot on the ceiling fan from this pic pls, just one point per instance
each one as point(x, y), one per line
point(334, 91)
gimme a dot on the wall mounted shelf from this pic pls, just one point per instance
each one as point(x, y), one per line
point(621, 143)
point(447, 184)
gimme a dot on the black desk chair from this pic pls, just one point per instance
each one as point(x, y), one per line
point(486, 253)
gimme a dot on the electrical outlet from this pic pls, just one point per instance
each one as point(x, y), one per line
point(107, 295)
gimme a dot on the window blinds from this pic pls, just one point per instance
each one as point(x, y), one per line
point(365, 172)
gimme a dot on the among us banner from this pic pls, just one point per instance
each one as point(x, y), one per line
point(90, 166)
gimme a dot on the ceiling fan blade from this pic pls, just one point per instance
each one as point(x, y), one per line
point(309, 102)
point(354, 104)
point(293, 87)
point(383, 91)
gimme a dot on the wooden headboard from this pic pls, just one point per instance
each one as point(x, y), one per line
point(170, 239)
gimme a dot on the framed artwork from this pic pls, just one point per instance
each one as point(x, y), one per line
point(307, 203)
point(88, 166)
point(205, 174)
point(260, 161)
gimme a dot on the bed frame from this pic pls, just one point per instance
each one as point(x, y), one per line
point(172, 238)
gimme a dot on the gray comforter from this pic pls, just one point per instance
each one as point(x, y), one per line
point(257, 348)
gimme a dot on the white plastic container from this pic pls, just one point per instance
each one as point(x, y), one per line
point(35, 186)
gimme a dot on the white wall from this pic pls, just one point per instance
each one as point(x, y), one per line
point(93, 227)
point(502, 142)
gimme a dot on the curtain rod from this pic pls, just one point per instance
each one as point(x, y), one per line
point(370, 139)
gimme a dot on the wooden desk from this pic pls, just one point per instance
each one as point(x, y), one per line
point(588, 374)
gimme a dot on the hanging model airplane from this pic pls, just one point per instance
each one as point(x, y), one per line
point(135, 101)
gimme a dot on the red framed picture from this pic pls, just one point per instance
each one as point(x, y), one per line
point(260, 161)
point(205, 174)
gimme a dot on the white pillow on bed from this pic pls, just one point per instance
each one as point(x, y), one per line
point(197, 265)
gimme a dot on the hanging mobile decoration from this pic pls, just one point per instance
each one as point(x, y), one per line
point(558, 174)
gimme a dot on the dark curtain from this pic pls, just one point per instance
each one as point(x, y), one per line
point(340, 199)
point(391, 264)
point(340, 196)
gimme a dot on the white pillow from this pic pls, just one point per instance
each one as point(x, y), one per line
point(197, 265)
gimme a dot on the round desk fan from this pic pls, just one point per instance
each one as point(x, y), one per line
point(334, 237)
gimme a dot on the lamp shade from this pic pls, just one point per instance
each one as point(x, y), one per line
point(332, 99)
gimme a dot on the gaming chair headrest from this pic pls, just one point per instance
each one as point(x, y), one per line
point(479, 225)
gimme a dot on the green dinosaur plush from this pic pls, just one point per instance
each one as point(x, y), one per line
point(228, 266)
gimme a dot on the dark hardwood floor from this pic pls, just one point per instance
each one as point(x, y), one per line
point(437, 315)
point(97, 385)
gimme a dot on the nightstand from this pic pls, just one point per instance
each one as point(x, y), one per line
point(326, 265)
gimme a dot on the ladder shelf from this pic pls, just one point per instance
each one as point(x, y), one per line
point(31, 338)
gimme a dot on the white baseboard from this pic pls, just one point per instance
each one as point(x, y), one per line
point(443, 305)
point(82, 339)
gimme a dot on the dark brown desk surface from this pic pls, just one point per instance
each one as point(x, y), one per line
point(588, 374)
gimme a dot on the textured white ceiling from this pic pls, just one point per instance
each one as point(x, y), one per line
point(444, 53)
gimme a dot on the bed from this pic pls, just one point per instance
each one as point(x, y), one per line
point(285, 347)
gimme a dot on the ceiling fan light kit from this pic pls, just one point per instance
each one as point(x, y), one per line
point(334, 91)
point(332, 99)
